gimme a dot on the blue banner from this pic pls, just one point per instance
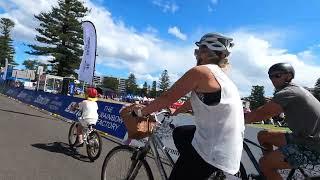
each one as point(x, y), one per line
point(109, 117)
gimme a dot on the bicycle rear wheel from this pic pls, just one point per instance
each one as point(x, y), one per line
point(118, 163)
point(72, 135)
point(94, 145)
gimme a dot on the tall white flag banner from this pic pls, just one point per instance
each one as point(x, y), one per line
point(4, 76)
point(87, 66)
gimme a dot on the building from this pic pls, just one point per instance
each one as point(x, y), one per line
point(23, 74)
point(97, 80)
point(122, 85)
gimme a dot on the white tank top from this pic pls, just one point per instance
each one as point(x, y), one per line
point(220, 128)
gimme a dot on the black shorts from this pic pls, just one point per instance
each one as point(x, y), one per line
point(190, 164)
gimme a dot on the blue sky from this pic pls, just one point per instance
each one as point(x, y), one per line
point(147, 36)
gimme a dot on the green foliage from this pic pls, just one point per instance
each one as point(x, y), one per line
point(257, 98)
point(110, 82)
point(144, 89)
point(6, 43)
point(60, 36)
point(131, 84)
point(30, 64)
point(153, 92)
point(164, 81)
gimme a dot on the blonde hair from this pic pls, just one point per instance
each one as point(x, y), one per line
point(222, 63)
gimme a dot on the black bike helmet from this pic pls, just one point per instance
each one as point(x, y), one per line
point(282, 67)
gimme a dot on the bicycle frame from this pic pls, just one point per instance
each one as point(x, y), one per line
point(250, 155)
point(153, 144)
point(256, 164)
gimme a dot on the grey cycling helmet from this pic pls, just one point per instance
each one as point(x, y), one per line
point(216, 42)
point(282, 67)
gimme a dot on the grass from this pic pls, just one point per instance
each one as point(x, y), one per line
point(270, 127)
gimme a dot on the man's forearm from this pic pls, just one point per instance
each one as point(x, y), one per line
point(250, 117)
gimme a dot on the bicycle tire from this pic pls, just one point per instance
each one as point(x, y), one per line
point(242, 173)
point(71, 134)
point(111, 171)
point(95, 156)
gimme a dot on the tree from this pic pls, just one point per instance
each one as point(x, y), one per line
point(145, 89)
point(30, 64)
point(110, 82)
point(34, 64)
point(131, 85)
point(6, 43)
point(148, 90)
point(60, 36)
point(164, 81)
point(153, 92)
point(257, 98)
point(316, 91)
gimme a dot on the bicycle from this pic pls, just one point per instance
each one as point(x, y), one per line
point(289, 175)
point(91, 137)
point(137, 167)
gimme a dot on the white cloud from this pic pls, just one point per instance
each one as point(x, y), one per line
point(21, 12)
point(146, 55)
point(177, 33)
point(166, 6)
point(211, 5)
point(252, 56)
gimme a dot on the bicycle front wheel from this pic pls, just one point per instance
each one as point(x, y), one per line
point(94, 146)
point(119, 162)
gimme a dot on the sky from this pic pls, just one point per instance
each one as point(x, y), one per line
point(146, 37)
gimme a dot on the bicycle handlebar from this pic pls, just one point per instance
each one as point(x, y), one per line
point(165, 112)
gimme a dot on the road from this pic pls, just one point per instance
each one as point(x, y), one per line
point(33, 146)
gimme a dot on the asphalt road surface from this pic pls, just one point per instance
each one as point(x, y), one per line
point(33, 146)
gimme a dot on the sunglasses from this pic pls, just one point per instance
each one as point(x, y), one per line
point(278, 75)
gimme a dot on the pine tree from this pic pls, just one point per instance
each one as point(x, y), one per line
point(164, 81)
point(131, 84)
point(148, 90)
point(61, 31)
point(6, 43)
point(316, 91)
point(257, 98)
point(30, 64)
point(153, 92)
point(145, 89)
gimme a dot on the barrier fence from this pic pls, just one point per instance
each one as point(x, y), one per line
point(109, 120)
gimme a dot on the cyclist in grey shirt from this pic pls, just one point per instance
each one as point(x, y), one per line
point(302, 111)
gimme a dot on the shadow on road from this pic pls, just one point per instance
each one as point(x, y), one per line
point(63, 148)
point(16, 112)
